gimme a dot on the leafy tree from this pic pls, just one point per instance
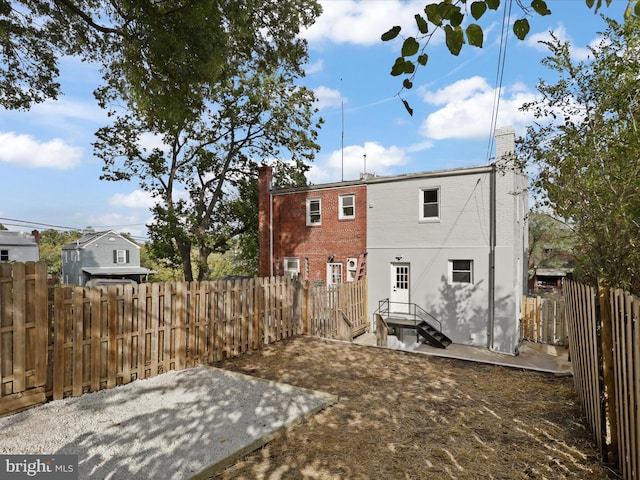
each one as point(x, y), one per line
point(211, 143)
point(551, 242)
point(586, 147)
point(149, 46)
point(459, 20)
point(51, 243)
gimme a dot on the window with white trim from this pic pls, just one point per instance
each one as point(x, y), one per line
point(347, 207)
point(4, 255)
point(121, 256)
point(460, 271)
point(429, 204)
point(314, 211)
point(291, 266)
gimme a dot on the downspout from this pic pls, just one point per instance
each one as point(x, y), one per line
point(270, 232)
point(492, 255)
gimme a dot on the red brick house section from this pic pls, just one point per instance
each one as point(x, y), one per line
point(285, 234)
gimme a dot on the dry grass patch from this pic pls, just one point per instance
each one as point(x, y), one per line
point(409, 415)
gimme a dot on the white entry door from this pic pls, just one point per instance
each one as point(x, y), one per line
point(399, 295)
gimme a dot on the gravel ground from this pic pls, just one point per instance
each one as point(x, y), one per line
point(167, 427)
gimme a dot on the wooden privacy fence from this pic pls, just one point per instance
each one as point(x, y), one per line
point(604, 336)
point(65, 341)
point(543, 320)
point(338, 311)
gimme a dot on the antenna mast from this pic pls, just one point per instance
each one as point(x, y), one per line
point(342, 145)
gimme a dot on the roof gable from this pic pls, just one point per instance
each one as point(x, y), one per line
point(89, 238)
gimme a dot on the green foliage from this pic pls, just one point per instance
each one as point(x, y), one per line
point(256, 110)
point(585, 145)
point(51, 243)
point(551, 242)
point(449, 16)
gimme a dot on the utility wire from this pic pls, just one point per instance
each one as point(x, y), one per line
point(29, 224)
point(504, 36)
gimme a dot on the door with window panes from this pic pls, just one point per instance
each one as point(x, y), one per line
point(399, 295)
point(334, 273)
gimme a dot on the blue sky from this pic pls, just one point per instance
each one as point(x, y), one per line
point(50, 177)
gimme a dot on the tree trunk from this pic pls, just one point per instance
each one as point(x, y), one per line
point(203, 264)
point(185, 255)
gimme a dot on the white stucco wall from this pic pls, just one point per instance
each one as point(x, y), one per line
point(462, 233)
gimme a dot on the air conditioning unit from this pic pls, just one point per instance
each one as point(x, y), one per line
point(352, 267)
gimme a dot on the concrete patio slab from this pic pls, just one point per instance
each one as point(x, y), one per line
point(179, 425)
point(532, 356)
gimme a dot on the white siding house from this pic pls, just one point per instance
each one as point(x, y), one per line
point(454, 243)
point(19, 246)
point(106, 257)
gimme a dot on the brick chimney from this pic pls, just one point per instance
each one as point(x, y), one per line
point(36, 236)
point(265, 177)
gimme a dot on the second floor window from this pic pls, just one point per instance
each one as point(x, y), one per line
point(429, 204)
point(347, 207)
point(314, 211)
point(121, 256)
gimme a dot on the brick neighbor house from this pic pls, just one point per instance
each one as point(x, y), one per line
point(316, 231)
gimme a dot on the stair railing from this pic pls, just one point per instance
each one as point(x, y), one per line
point(414, 312)
point(426, 316)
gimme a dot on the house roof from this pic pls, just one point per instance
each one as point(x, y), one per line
point(372, 178)
point(128, 270)
point(91, 237)
point(15, 239)
point(553, 272)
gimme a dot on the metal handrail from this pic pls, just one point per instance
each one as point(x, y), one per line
point(384, 307)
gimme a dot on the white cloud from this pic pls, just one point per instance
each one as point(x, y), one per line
point(132, 224)
point(379, 160)
point(151, 141)
point(54, 111)
point(27, 151)
point(135, 199)
point(361, 22)
point(466, 107)
point(578, 53)
point(314, 67)
point(327, 97)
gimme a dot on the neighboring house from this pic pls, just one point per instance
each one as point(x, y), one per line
point(102, 257)
point(548, 280)
point(19, 246)
point(453, 242)
point(318, 232)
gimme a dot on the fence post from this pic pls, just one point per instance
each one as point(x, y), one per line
point(609, 400)
point(305, 309)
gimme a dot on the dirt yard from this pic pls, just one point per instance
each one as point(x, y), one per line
point(403, 415)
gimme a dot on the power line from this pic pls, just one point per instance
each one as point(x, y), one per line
point(504, 35)
point(30, 224)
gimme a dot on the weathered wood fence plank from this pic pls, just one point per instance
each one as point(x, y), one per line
point(69, 340)
point(543, 320)
point(616, 430)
